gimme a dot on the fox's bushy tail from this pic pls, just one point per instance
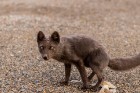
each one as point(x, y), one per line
point(124, 63)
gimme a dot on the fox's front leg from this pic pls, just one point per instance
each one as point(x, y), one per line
point(81, 68)
point(67, 74)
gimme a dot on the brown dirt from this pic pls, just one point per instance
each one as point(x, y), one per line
point(113, 23)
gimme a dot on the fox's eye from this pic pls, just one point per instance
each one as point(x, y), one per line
point(51, 48)
point(41, 47)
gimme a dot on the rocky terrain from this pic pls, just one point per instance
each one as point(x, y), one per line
point(113, 23)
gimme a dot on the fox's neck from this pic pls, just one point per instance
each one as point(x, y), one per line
point(60, 53)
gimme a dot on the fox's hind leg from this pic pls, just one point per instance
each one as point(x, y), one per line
point(98, 60)
point(98, 72)
point(91, 76)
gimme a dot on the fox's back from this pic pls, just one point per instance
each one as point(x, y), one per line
point(82, 45)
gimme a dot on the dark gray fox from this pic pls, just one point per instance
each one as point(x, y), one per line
point(82, 52)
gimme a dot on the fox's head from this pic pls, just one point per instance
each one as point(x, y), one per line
point(48, 46)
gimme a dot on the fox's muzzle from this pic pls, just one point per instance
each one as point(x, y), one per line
point(45, 57)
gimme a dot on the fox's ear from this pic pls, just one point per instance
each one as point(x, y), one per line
point(40, 36)
point(55, 37)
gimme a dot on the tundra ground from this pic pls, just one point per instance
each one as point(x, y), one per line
point(113, 23)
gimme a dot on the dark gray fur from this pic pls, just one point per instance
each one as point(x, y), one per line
point(82, 52)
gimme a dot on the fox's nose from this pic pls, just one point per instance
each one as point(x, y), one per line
point(45, 58)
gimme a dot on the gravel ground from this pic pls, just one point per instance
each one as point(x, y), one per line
point(113, 23)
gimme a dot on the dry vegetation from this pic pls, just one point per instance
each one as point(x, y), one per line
point(114, 23)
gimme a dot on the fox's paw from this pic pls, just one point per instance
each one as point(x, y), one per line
point(63, 83)
point(94, 88)
point(85, 88)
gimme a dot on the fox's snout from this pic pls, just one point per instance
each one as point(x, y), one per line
point(45, 57)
